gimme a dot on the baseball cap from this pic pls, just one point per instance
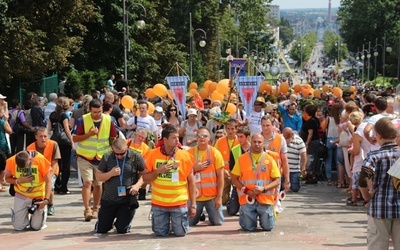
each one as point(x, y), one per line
point(2, 96)
point(158, 109)
point(192, 112)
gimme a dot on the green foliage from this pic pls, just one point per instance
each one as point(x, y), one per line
point(286, 32)
point(303, 47)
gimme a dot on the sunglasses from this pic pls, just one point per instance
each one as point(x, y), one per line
point(273, 109)
point(172, 110)
point(202, 136)
point(119, 154)
point(258, 104)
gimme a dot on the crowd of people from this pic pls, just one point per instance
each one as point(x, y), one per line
point(203, 161)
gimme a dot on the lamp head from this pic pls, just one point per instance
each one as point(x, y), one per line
point(140, 24)
point(202, 43)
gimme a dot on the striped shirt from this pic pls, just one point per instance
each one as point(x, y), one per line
point(385, 204)
point(294, 150)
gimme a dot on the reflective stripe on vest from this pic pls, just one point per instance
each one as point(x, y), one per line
point(248, 179)
point(97, 145)
point(208, 183)
point(164, 192)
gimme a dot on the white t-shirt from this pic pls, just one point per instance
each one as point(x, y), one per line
point(365, 147)
point(373, 120)
point(191, 132)
point(255, 121)
point(147, 122)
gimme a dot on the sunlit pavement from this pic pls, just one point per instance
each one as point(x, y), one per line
point(314, 218)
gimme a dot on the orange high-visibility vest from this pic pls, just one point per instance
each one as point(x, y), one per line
point(225, 149)
point(249, 177)
point(47, 153)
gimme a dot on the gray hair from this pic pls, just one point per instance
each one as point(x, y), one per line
point(52, 96)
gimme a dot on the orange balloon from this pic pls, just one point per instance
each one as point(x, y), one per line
point(160, 90)
point(305, 92)
point(127, 102)
point(307, 86)
point(193, 85)
point(268, 88)
point(151, 108)
point(284, 86)
point(233, 96)
point(263, 86)
point(193, 92)
point(297, 88)
point(231, 108)
point(170, 95)
point(317, 93)
point(217, 96)
point(223, 86)
point(206, 84)
point(150, 93)
point(325, 88)
point(204, 93)
point(337, 91)
point(212, 87)
point(352, 88)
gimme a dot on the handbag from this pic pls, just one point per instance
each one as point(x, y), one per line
point(344, 138)
point(59, 135)
point(18, 127)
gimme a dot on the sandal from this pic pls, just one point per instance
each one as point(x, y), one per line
point(329, 182)
point(351, 203)
point(3, 189)
point(339, 185)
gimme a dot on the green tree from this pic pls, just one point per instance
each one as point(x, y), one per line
point(40, 37)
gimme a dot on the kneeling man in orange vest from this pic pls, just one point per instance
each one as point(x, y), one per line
point(256, 177)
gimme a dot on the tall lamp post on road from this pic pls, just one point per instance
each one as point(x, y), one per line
point(202, 43)
point(385, 48)
point(139, 24)
point(301, 45)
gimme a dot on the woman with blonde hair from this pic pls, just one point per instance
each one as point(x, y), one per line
point(60, 116)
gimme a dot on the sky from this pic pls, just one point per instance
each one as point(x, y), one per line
point(301, 4)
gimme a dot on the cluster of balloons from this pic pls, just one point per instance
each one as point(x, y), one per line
point(214, 91)
point(158, 90)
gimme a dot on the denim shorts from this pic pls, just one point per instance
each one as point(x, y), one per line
point(340, 156)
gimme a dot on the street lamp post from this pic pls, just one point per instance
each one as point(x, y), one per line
point(369, 57)
point(301, 45)
point(202, 43)
point(140, 24)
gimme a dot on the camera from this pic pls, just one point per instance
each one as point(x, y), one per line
point(34, 206)
point(132, 199)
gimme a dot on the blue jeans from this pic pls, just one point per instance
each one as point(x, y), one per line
point(331, 160)
point(249, 213)
point(215, 216)
point(233, 205)
point(165, 218)
point(295, 181)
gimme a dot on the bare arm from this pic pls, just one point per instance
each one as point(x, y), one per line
point(286, 172)
point(367, 130)
point(192, 193)
point(303, 160)
point(220, 187)
point(7, 128)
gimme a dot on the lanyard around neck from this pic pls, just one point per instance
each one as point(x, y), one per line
point(121, 176)
point(255, 166)
point(198, 154)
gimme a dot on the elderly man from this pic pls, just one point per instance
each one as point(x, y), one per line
point(297, 157)
point(51, 106)
point(256, 177)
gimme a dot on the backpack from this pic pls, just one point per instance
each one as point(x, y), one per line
point(18, 127)
point(59, 135)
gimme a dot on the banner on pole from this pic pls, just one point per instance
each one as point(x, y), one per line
point(247, 87)
point(236, 65)
point(178, 86)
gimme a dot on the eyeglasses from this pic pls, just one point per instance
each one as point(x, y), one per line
point(206, 103)
point(273, 109)
point(202, 136)
point(120, 154)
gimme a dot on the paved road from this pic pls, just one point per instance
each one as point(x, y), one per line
point(314, 218)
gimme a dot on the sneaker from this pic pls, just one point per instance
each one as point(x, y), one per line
point(50, 209)
point(202, 217)
point(351, 203)
point(88, 214)
point(95, 211)
point(142, 194)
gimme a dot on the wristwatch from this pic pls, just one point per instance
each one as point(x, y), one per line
point(193, 206)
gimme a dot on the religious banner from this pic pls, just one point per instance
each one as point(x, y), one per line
point(237, 65)
point(247, 87)
point(178, 86)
